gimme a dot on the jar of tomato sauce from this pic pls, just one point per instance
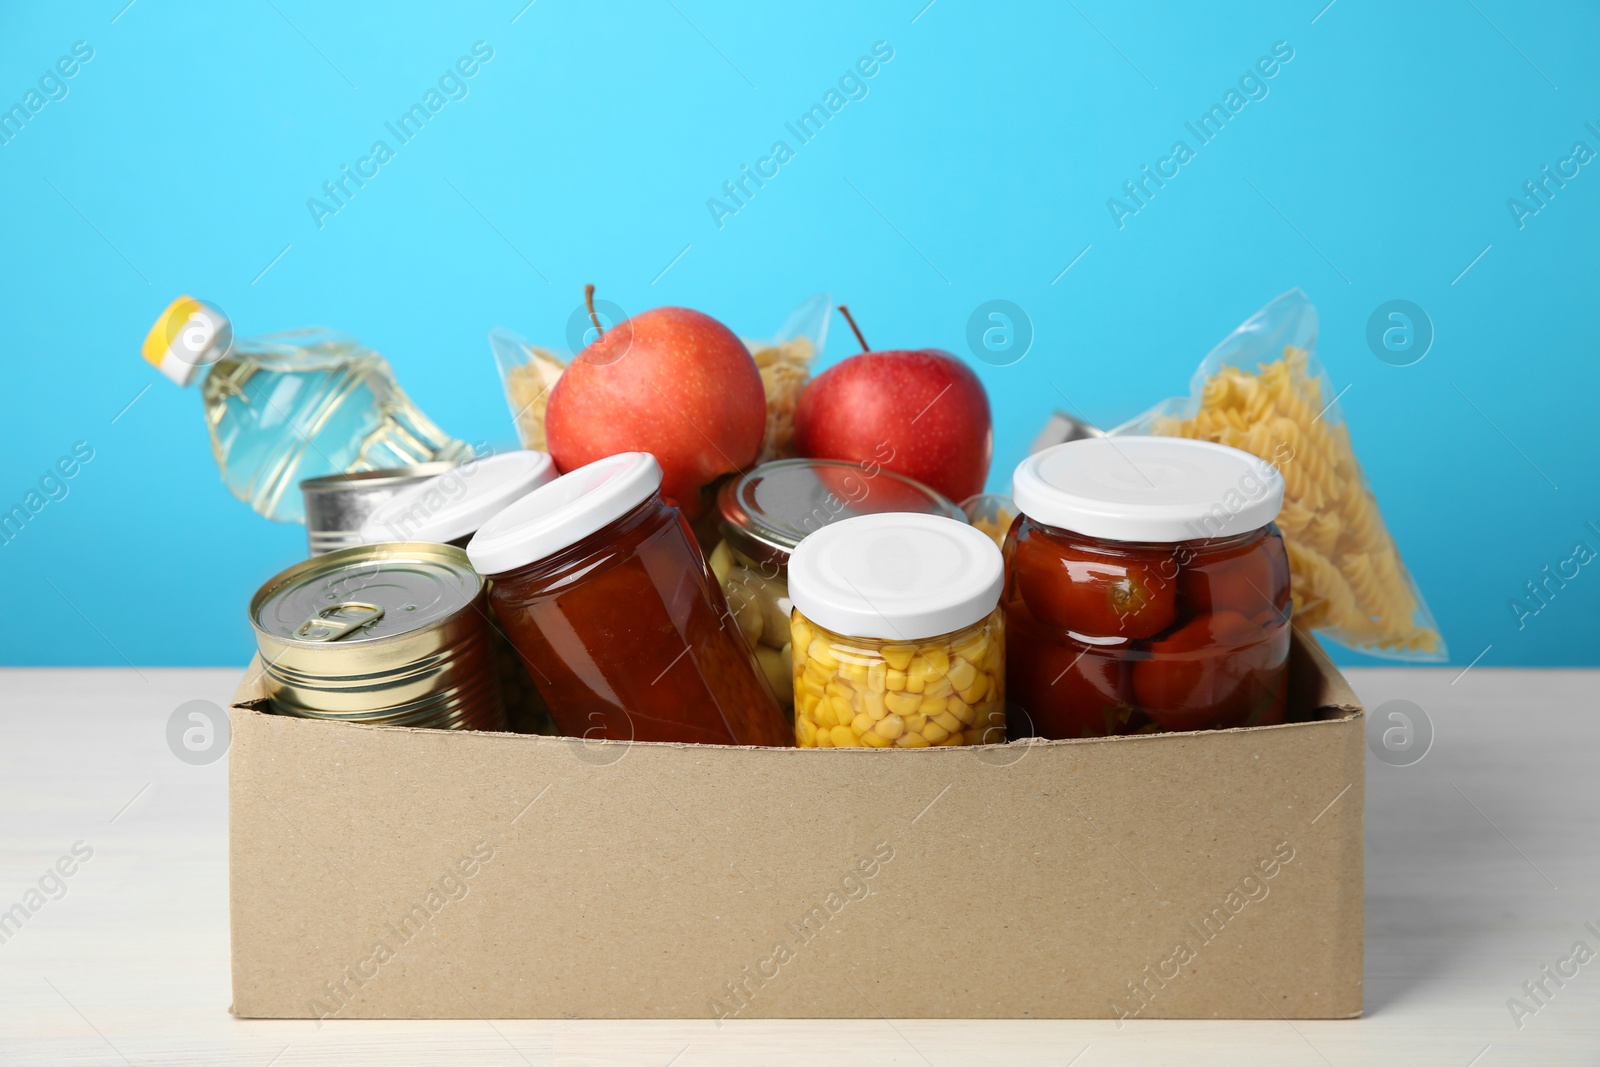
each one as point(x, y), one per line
point(600, 586)
point(1146, 589)
point(898, 637)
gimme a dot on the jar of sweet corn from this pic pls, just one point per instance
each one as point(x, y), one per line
point(898, 639)
point(768, 510)
point(1148, 589)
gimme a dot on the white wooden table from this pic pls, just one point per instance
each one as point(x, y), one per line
point(1483, 865)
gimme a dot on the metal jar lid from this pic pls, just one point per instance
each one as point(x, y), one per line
point(390, 634)
point(338, 504)
point(768, 511)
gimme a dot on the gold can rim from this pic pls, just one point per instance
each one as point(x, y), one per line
point(332, 562)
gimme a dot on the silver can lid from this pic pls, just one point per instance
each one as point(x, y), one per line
point(365, 594)
point(772, 508)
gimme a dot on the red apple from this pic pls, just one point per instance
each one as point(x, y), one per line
point(672, 382)
point(922, 414)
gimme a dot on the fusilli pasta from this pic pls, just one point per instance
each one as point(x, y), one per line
point(1347, 574)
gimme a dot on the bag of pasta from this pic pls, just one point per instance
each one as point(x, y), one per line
point(1263, 391)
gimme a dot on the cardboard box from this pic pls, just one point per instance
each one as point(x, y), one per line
point(400, 873)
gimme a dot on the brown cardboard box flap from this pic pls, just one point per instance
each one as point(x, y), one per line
point(398, 873)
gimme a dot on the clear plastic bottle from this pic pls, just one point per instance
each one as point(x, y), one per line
point(289, 406)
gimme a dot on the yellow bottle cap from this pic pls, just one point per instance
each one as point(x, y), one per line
point(188, 335)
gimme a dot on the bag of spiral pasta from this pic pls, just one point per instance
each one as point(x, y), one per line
point(1263, 391)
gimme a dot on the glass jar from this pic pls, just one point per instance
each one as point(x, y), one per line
point(448, 509)
point(992, 513)
point(1147, 589)
point(898, 638)
point(765, 513)
point(601, 588)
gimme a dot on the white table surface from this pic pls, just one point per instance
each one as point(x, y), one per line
point(1483, 863)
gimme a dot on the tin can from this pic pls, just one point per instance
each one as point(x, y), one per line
point(387, 635)
point(338, 504)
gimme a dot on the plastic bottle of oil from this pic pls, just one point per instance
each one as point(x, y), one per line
point(289, 406)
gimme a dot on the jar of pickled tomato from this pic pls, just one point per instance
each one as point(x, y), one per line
point(767, 511)
point(899, 640)
point(1147, 589)
point(602, 589)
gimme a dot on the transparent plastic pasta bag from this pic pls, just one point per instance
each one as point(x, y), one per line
point(528, 373)
point(1263, 391)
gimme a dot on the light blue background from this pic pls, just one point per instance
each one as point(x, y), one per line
point(978, 167)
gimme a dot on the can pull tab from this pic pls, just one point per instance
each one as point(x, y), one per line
point(339, 620)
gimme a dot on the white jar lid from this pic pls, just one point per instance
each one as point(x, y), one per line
point(896, 576)
point(454, 504)
point(1161, 489)
point(563, 512)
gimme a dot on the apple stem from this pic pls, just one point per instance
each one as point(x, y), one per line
point(588, 299)
point(846, 313)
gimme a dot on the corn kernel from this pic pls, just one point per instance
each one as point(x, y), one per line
point(822, 652)
point(961, 673)
point(938, 662)
point(898, 656)
point(824, 739)
point(934, 732)
point(843, 709)
point(902, 703)
point(810, 685)
point(949, 742)
point(973, 648)
point(824, 715)
point(808, 703)
point(939, 687)
point(915, 682)
point(873, 705)
point(800, 633)
point(878, 677)
point(843, 738)
point(861, 723)
point(805, 732)
point(910, 740)
point(894, 681)
point(973, 693)
point(961, 710)
point(948, 721)
point(891, 727)
point(915, 723)
point(932, 706)
point(873, 740)
point(854, 673)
